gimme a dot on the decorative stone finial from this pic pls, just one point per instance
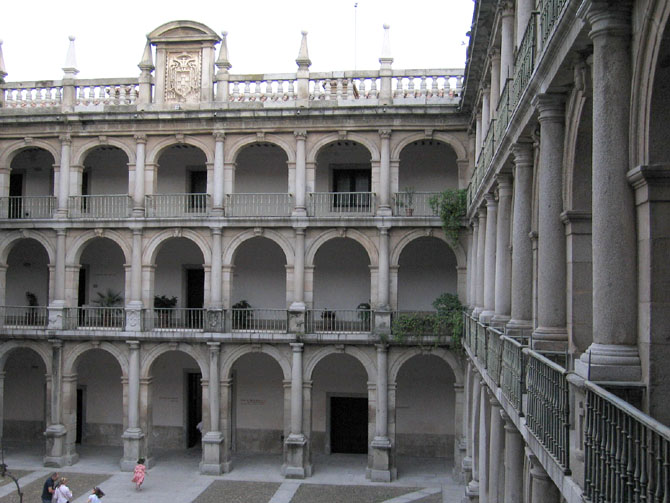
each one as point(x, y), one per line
point(147, 62)
point(303, 56)
point(386, 57)
point(70, 68)
point(3, 70)
point(222, 62)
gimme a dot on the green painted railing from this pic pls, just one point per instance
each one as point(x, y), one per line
point(503, 113)
point(549, 14)
point(481, 344)
point(548, 411)
point(494, 354)
point(524, 64)
point(626, 452)
point(513, 375)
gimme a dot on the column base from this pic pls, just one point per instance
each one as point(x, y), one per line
point(486, 316)
point(295, 465)
point(212, 453)
point(518, 328)
point(472, 492)
point(466, 469)
point(550, 339)
point(132, 449)
point(499, 321)
point(381, 469)
point(384, 211)
point(382, 321)
point(299, 211)
point(610, 362)
point(476, 311)
point(57, 454)
point(296, 318)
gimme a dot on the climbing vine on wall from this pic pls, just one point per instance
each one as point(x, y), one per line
point(450, 205)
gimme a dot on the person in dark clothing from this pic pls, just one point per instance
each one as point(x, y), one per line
point(48, 489)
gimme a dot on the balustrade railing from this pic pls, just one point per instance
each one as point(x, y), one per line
point(259, 205)
point(548, 411)
point(177, 205)
point(15, 207)
point(259, 320)
point(175, 319)
point(95, 318)
point(339, 320)
point(524, 63)
point(24, 316)
point(89, 93)
point(481, 344)
point(468, 330)
point(427, 83)
point(323, 204)
point(502, 113)
point(100, 206)
point(550, 11)
point(513, 372)
point(32, 94)
point(414, 204)
point(494, 354)
point(626, 452)
point(277, 88)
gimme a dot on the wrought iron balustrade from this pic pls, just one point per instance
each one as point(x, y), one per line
point(95, 318)
point(548, 407)
point(626, 452)
point(414, 204)
point(259, 205)
point(177, 205)
point(27, 207)
point(175, 319)
point(524, 63)
point(550, 11)
point(513, 372)
point(503, 113)
point(259, 320)
point(324, 204)
point(494, 354)
point(339, 320)
point(24, 316)
point(101, 206)
point(481, 344)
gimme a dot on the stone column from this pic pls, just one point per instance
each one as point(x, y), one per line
point(212, 441)
point(514, 445)
point(503, 257)
point(496, 453)
point(138, 194)
point(64, 176)
point(490, 259)
point(486, 111)
point(383, 270)
point(459, 432)
point(381, 471)
point(524, 8)
point(298, 303)
point(495, 82)
point(217, 190)
point(472, 489)
point(481, 240)
point(296, 442)
point(57, 305)
point(56, 451)
point(506, 42)
point(134, 305)
point(469, 269)
point(466, 464)
point(385, 173)
point(2, 402)
point(479, 135)
point(522, 258)
point(472, 263)
point(226, 422)
point(483, 458)
point(551, 332)
point(613, 354)
point(542, 488)
point(300, 208)
point(133, 436)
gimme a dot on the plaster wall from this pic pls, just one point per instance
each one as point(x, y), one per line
point(27, 271)
point(108, 171)
point(172, 259)
point(261, 167)
point(104, 262)
point(341, 152)
point(428, 166)
point(341, 275)
point(259, 275)
point(24, 419)
point(173, 168)
point(37, 168)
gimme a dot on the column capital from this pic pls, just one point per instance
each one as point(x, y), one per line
point(219, 136)
point(490, 201)
point(66, 139)
point(140, 138)
point(214, 347)
point(481, 213)
point(61, 232)
point(607, 17)
point(385, 133)
point(297, 347)
point(56, 343)
point(300, 134)
point(504, 184)
point(551, 107)
point(506, 8)
point(216, 231)
point(523, 153)
point(133, 344)
point(383, 231)
point(382, 348)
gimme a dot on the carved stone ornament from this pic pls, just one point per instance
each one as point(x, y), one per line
point(183, 77)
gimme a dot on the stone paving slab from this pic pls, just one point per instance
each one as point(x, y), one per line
point(317, 493)
point(230, 491)
point(79, 484)
point(17, 473)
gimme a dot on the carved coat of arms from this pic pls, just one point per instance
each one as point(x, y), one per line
point(183, 77)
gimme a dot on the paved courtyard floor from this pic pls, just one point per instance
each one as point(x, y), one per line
point(174, 478)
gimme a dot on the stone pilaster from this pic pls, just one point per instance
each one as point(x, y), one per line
point(503, 268)
point(489, 259)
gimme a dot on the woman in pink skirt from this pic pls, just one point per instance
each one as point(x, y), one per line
point(138, 475)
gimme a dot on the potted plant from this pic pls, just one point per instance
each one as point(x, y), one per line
point(364, 315)
point(163, 304)
point(108, 299)
point(408, 202)
point(242, 315)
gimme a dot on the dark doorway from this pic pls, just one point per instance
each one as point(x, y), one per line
point(15, 195)
point(198, 185)
point(194, 408)
point(348, 425)
point(195, 288)
point(80, 415)
point(81, 289)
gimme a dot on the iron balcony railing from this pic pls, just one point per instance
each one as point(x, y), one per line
point(24, 316)
point(524, 63)
point(175, 319)
point(503, 113)
point(513, 372)
point(324, 204)
point(481, 344)
point(177, 205)
point(494, 354)
point(548, 411)
point(414, 204)
point(101, 206)
point(549, 14)
point(259, 320)
point(259, 205)
point(468, 330)
point(16, 207)
point(626, 452)
point(339, 320)
point(95, 318)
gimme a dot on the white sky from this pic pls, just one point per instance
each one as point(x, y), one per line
point(263, 35)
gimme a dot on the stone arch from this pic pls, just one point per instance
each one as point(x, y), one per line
point(83, 150)
point(154, 244)
point(15, 148)
point(154, 154)
point(363, 358)
point(272, 235)
point(237, 147)
point(150, 356)
point(13, 237)
point(415, 234)
point(654, 22)
point(356, 235)
point(43, 350)
point(446, 138)
point(444, 354)
point(71, 357)
point(372, 147)
point(231, 357)
point(77, 246)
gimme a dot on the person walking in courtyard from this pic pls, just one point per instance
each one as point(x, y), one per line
point(62, 493)
point(138, 475)
point(96, 495)
point(48, 489)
